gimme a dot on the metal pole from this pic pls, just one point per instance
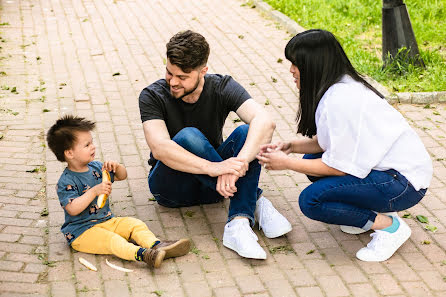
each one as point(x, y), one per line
point(397, 32)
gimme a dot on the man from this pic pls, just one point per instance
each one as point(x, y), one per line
point(183, 116)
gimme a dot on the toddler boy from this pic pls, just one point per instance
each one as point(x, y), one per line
point(87, 227)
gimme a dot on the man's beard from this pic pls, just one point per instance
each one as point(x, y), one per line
point(186, 93)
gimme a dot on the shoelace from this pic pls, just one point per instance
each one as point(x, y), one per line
point(265, 214)
point(251, 233)
point(377, 239)
point(150, 256)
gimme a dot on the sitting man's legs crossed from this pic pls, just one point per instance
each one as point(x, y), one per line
point(172, 188)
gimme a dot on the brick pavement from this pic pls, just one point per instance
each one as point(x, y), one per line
point(60, 57)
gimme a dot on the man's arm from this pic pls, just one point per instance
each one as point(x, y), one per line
point(176, 157)
point(261, 128)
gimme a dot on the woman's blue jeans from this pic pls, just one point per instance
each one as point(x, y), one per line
point(352, 201)
point(172, 188)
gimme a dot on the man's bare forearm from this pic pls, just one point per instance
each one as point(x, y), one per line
point(176, 157)
point(260, 132)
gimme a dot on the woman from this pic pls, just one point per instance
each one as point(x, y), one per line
point(363, 158)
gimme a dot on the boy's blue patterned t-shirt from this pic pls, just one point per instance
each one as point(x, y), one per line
point(70, 186)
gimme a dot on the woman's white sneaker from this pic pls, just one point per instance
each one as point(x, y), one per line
point(384, 244)
point(270, 220)
point(239, 237)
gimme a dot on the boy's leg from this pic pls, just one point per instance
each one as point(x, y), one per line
point(99, 240)
point(136, 230)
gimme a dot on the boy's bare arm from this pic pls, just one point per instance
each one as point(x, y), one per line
point(79, 204)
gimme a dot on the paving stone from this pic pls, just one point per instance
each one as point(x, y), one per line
point(310, 292)
point(11, 288)
point(116, 288)
point(250, 284)
point(10, 265)
point(333, 286)
point(227, 291)
point(364, 290)
point(60, 289)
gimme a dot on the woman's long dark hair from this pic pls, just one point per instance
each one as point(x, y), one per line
point(322, 62)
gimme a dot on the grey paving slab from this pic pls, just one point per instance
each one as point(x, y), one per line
point(59, 57)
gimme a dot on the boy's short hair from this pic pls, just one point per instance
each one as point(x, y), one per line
point(188, 50)
point(61, 136)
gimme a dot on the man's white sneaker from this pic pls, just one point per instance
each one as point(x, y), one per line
point(356, 230)
point(270, 220)
point(384, 244)
point(239, 237)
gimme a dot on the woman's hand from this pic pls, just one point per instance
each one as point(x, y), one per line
point(279, 146)
point(274, 160)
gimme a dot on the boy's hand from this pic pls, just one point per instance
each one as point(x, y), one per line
point(103, 188)
point(110, 166)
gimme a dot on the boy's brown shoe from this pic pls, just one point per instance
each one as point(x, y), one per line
point(174, 248)
point(154, 257)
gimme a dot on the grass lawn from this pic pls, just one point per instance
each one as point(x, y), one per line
point(357, 25)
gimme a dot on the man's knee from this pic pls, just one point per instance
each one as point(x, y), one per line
point(191, 139)
point(241, 131)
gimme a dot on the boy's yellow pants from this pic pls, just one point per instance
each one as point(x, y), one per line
point(111, 238)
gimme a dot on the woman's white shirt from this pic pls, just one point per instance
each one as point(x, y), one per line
point(359, 131)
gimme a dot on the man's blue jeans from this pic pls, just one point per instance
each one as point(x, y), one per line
point(352, 201)
point(172, 188)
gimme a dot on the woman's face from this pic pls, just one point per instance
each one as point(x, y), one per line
point(296, 74)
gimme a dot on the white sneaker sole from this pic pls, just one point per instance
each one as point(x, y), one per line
point(244, 255)
point(279, 232)
point(352, 230)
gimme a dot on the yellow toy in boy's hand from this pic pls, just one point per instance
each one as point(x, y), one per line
point(103, 197)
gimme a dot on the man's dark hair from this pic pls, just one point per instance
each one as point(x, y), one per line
point(321, 62)
point(61, 136)
point(187, 50)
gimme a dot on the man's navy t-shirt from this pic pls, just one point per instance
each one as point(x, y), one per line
point(220, 95)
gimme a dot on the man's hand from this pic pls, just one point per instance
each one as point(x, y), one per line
point(103, 188)
point(110, 166)
point(226, 185)
point(275, 160)
point(234, 166)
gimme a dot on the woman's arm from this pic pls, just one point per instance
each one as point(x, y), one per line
point(313, 167)
point(305, 146)
point(279, 160)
